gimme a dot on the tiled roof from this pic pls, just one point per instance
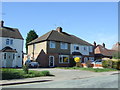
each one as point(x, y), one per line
point(102, 50)
point(60, 36)
point(116, 46)
point(10, 32)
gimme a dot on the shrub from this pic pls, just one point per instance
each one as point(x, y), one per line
point(45, 73)
point(26, 69)
point(105, 63)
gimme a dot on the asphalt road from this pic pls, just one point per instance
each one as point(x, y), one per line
point(102, 81)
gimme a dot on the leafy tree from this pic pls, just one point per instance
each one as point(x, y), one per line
point(30, 37)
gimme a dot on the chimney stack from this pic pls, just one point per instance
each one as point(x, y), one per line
point(104, 45)
point(59, 29)
point(94, 43)
point(1, 23)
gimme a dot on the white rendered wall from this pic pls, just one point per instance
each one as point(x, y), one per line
point(18, 45)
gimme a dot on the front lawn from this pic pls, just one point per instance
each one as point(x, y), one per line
point(18, 74)
point(89, 69)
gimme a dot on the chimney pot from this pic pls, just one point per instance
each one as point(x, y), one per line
point(59, 29)
point(1, 23)
point(104, 45)
point(94, 43)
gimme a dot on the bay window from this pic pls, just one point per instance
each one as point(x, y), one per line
point(63, 59)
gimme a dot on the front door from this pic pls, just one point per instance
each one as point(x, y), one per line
point(9, 59)
point(51, 61)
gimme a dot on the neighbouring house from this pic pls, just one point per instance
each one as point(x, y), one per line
point(11, 47)
point(57, 49)
point(102, 52)
point(116, 47)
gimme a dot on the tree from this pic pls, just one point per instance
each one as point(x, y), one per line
point(30, 37)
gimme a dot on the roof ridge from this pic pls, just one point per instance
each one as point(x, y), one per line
point(50, 34)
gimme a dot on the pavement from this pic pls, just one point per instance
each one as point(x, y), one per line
point(60, 75)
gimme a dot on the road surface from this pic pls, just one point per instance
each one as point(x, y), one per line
point(102, 81)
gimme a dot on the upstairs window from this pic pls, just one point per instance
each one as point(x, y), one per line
point(63, 45)
point(11, 42)
point(76, 47)
point(52, 44)
point(7, 41)
point(91, 49)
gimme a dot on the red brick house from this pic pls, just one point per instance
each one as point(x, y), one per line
point(57, 48)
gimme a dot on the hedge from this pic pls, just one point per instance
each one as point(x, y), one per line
point(111, 64)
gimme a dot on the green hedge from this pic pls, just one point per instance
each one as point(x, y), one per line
point(18, 74)
point(111, 64)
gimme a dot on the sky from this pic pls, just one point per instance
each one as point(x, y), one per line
point(90, 21)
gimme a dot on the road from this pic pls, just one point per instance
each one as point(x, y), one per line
point(101, 81)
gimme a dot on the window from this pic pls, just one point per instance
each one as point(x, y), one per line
point(52, 44)
point(7, 41)
point(91, 49)
point(85, 48)
point(76, 47)
point(63, 45)
point(5, 56)
point(63, 59)
point(13, 56)
point(11, 42)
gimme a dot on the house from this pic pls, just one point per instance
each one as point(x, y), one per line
point(11, 46)
point(116, 47)
point(102, 52)
point(57, 48)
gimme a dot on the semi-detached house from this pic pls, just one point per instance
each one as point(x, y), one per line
point(57, 49)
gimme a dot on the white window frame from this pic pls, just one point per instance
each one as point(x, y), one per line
point(53, 61)
point(62, 58)
point(5, 56)
point(7, 41)
point(52, 44)
point(75, 46)
point(13, 56)
point(65, 45)
point(11, 41)
point(91, 49)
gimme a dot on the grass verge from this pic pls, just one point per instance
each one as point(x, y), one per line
point(8, 74)
point(89, 69)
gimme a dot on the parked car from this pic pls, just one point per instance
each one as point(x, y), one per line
point(32, 64)
point(98, 61)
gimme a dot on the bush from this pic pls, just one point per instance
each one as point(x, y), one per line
point(111, 64)
point(45, 73)
point(18, 74)
point(116, 64)
point(105, 63)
